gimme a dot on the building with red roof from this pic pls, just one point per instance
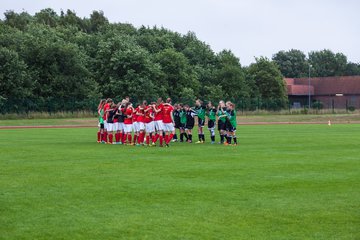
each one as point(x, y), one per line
point(332, 92)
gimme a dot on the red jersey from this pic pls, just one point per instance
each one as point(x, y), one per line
point(128, 114)
point(139, 117)
point(134, 116)
point(167, 113)
point(149, 115)
point(159, 115)
point(106, 107)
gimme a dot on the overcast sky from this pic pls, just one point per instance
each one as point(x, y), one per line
point(248, 27)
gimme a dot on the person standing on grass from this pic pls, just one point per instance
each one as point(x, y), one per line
point(231, 123)
point(100, 111)
point(211, 114)
point(182, 115)
point(221, 113)
point(141, 122)
point(176, 116)
point(119, 127)
point(168, 120)
point(200, 110)
point(110, 122)
point(158, 120)
point(128, 122)
point(109, 102)
point(149, 124)
point(190, 121)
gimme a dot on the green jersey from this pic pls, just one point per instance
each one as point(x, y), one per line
point(220, 113)
point(101, 119)
point(211, 114)
point(182, 116)
point(232, 117)
point(201, 112)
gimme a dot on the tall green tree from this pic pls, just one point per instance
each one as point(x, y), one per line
point(292, 63)
point(230, 76)
point(270, 82)
point(325, 63)
point(14, 78)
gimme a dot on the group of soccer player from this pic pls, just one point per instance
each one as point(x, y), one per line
point(145, 124)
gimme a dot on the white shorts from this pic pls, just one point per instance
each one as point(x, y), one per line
point(120, 126)
point(150, 127)
point(141, 126)
point(136, 126)
point(169, 127)
point(105, 125)
point(159, 125)
point(128, 128)
point(110, 127)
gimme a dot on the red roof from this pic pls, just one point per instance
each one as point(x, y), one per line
point(347, 85)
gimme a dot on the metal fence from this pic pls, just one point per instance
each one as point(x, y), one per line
point(54, 105)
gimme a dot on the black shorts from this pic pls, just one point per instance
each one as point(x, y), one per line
point(182, 126)
point(177, 125)
point(229, 127)
point(102, 126)
point(221, 126)
point(211, 123)
point(201, 122)
point(189, 126)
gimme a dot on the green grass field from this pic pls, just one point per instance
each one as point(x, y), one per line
point(281, 182)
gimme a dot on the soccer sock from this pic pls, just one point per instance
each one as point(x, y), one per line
point(170, 137)
point(129, 137)
point(229, 139)
point(166, 138)
point(181, 137)
point(110, 138)
point(203, 137)
point(200, 138)
point(222, 138)
point(143, 137)
point(135, 137)
point(147, 139)
point(175, 136)
point(190, 137)
point(235, 140)
point(121, 137)
point(153, 138)
point(124, 138)
point(186, 136)
point(156, 137)
point(213, 138)
point(99, 136)
point(161, 140)
point(105, 137)
point(116, 137)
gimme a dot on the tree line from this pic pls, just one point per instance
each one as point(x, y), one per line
point(53, 58)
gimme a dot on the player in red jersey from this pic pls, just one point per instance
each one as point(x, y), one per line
point(109, 101)
point(141, 122)
point(168, 120)
point(136, 126)
point(128, 121)
point(158, 120)
point(149, 124)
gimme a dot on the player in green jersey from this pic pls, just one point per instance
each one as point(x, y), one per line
point(100, 133)
point(211, 114)
point(221, 113)
point(231, 123)
point(182, 115)
point(200, 110)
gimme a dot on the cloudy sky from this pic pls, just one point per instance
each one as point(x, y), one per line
point(248, 27)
